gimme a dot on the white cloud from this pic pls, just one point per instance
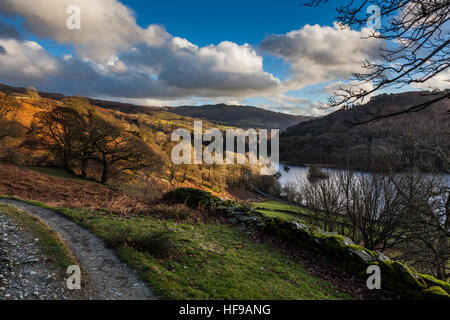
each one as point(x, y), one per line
point(440, 81)
point(116, 58)
point(26, 60)
point(106, 25)
point(128, 61)
point(355, 86)
point(296, 106)
point(319, 54)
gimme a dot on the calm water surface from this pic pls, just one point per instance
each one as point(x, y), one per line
point(299, 174)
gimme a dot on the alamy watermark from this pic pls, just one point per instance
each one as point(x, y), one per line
point(235, 151)
point(73, 282)
point(374, 281)
point(73, 22)
point(374, 21)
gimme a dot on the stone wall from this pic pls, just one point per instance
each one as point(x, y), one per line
point(395, 276)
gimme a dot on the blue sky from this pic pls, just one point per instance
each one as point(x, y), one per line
point(245, 21)
point(205, 22)
point(273, 54)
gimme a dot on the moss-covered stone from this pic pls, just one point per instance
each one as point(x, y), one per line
point(435, 293)
point(396, 276)
point(401, 278)
point(432, 281)
point(193, 198)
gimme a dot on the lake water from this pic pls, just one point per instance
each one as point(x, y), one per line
point(299, 174)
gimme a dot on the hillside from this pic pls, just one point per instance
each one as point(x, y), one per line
point(239, 116)
point(333, 141)
point(226, 115)
point(176, 267)
point(148, 128)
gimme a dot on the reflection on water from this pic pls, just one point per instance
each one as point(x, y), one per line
point(298, 175)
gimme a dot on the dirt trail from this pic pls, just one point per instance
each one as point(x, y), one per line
point(105, 276)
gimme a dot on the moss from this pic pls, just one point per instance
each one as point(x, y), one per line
point(432, 281)
point(401, 278)
point(435, 293)
point(193, 198)
point(278, 227)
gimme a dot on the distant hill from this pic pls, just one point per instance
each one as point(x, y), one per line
point(127, 108)
point(153, 118)
point(331, 141)
point(239, 116)
point(226, 115)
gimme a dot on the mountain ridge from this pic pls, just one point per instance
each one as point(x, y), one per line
point(332, 140)
point(239, 116)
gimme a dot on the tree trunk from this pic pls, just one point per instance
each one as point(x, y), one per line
point(84, 164)
point(105, 170)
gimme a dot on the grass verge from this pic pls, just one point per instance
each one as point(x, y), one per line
point(51, 244)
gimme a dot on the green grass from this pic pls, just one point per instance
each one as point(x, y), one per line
point(51, 244)
point(214, 261)
point(278, 214)
point(279, 206)
point(286, 211)
point(280, 210)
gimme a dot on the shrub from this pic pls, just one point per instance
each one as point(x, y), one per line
point(316, 173)
point(158, 244)
point(176, 212)
point(193, 198)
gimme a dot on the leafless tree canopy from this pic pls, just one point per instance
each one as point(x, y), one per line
point(417, 34)
point(9, 127)
point(407, 215)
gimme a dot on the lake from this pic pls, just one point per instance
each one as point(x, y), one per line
point(296, 174)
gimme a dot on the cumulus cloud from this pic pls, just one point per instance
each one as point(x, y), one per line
point(26, 60)
point(320, 54)
point(115, 57)
point(440, 81)
point(106, 25)
point(296, 105)
point(338, 86)
point(121, 59)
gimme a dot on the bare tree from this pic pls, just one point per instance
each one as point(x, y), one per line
point(419, 47)
point(9, 127)
point(118, 151)
point(9, 107)
point(425, 202)
point(58, 131)
point(370, 202)
point(324, 199)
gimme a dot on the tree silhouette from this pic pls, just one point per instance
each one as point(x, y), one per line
point(418, 33)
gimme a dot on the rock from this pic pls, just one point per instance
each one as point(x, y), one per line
point(436, 293)
point(362, 255)
point(382, 257)
point(244, 219)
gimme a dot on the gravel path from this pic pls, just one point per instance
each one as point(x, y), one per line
point(104, 276)
point(24, 274)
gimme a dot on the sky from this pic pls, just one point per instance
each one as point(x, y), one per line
point(272, 54)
